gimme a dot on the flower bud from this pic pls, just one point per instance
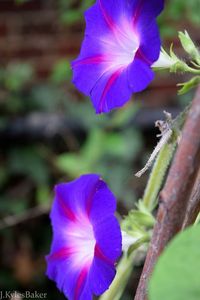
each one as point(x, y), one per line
point(189, 46)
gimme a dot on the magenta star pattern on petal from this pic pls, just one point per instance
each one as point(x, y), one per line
point(120, 45)
point(86, 238)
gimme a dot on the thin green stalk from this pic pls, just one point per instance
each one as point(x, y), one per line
point(162, 162)
point(157, 175)
point(124, 270)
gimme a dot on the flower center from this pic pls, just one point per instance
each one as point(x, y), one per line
point(120, 46)
point(82, 241)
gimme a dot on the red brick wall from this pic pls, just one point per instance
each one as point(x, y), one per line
point(32, 33)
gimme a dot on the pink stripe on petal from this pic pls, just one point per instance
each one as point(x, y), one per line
point(60, 254)
point(137, 12)
point(113, 26)
point(81, 278)
point(108, 20)
point(109, 84)
point(99, 254)
point(141, 55)
point(67, 211)
point(90, 60)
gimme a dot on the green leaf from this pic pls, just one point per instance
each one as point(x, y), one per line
point(94, 145)
point(28, 161)
point(11, 205)
point(72, 164)
point(123, 116)
point(43, 195)
point(177, 273)
point(18, 75)
point(187, 86)
point(61, 71)
point(71, 16)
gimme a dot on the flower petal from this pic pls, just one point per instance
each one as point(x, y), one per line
point(103, 204)
point(101, 275)
point(111, 91)
point(64, 276)
point(139, 75)
point(108, 239)
point(148, 9)
point(94, 66)
point(76, 196)
point(149, 49)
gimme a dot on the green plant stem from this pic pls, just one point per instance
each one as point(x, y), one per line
point(192, 70)
point(162, 162)
point(157, 175)
point(124, 270)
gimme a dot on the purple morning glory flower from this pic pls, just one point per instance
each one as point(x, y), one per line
point(86, 238)
point(120, 45)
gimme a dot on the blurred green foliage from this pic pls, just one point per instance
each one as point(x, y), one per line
point(72, 11)
point(107, 153)
point(175, 12)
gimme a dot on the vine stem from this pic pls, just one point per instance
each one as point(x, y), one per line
point(193, 205)
point(124, 270)
point(162, 162)
point(157, 175)
point(176, 193)
point(155, 181)
point(192, 70)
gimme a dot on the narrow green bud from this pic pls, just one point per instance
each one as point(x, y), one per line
point(189, 46)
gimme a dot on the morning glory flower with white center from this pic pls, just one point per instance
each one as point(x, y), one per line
point(121, 43)
point(86, 238)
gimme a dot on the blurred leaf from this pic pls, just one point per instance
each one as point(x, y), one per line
point(175, 11)
point(94, 145)
point(15, 103)
point(71, 16)
point(43, 195)
point(61, 71)
point(117, 175)
point(100, 144)
point(46, 97)
point(187, 86)
point(177, 273)
point(9, 205)
point(72, 164)
point(17, 75)
point(122, 116)
point(86, 3)
point(28, 161)
point(107, 153)
point(3, 175)
point(7, 281)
